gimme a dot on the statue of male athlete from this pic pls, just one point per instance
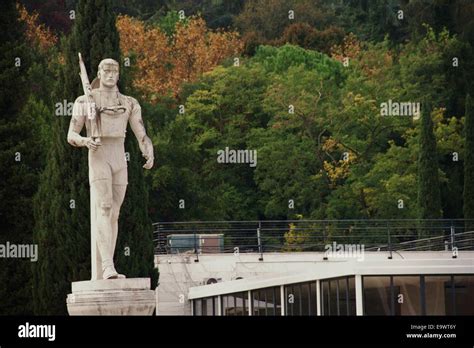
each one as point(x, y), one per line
point(107, 162)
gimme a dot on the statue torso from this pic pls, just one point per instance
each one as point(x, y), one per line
point(113, 111)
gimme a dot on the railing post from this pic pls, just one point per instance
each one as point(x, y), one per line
point(161, 241)
point(453, 241)
point(324, 233)
point(259, 241)
point(389, 243)
point(158, 240)
point(195, 248)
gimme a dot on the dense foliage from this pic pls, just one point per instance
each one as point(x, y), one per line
point(308, 86)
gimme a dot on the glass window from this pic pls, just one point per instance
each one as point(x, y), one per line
point(297, 299)
point(343, 297)
point(352, 296)
point(261, 305)
point(463, 293)
point(213, 303)
point(204, 306)
point(419, 295)
point(338, 296)
point(266, 301)
point(305, 301)
point(303, 291)
point(301, 298)
point(228, 305)
point(241, 303)
point(325, 297)
point(224, 304)
point(197, 306)
point(290, 299)
point(308, 298)
point(263, 302)
point(406, 295)
point(312, 299)
point(377, 295)
point(255, 302)
point(235, 304)
point(277, 300)
point(439, 295)
point(293, 299)
point(333, 298)
point(231, 305)
point(270, 301)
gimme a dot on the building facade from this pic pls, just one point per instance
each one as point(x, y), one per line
point(408, 283)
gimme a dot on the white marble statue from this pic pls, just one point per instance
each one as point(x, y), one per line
point(106, 113)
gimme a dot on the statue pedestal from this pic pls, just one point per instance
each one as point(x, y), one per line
point(112, 297)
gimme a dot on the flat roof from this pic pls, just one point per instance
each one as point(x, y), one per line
point(335, 268)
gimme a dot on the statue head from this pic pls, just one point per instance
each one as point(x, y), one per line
point(108, 73)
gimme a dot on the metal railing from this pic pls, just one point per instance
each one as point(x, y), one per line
point(311, 235)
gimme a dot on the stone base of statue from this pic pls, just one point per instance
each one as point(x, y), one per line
point(112, 297)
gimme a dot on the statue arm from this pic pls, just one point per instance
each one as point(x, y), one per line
point(77, 123)
point(78, 119)
point(138, 128)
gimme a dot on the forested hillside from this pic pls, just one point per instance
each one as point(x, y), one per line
point(353, 110)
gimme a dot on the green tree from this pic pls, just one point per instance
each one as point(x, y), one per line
point(275, 22)
point(217, 13)
point(469, 163)
point(17, 161)
point(269, 18)
point(429, 198)
point(306, 36)
point(438, 67)
point(372, 20)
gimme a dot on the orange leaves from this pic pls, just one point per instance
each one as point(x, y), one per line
point(36, 33)
point(152, 52)
point(372, 59)
point(164, 63)
point(337, 169)
point(350, 48)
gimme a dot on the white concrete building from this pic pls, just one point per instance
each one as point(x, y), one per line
point(313, 283)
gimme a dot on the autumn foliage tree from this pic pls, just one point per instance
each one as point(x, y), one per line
point(306, 36)
point(269, 18)
point(36, 32)
point(164, 62)
point(307, 23)
point(349, 48)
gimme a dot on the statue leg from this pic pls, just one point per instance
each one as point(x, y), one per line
point(118, 197)
point(96, 260)
point(104, 214)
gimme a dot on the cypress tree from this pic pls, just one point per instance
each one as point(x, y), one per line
point(18, 181)
point(429, 197)
point(469, 164)
point(62, 205)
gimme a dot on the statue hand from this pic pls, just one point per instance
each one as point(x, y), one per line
point(91, 144)
point(149, 162)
